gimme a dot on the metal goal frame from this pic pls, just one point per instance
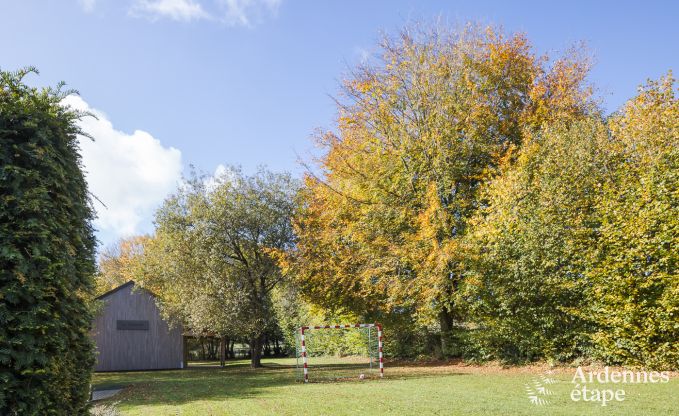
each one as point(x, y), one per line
point(305, 359)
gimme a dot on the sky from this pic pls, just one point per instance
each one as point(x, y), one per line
point(211, 83)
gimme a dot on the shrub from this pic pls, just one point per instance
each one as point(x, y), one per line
point(46, 254)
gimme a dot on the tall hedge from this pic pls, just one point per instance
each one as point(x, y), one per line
point(635, 265)
point(47, 251)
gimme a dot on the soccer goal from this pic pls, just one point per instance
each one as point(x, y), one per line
point(317, 352)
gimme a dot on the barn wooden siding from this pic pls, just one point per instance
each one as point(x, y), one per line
point(136, 348)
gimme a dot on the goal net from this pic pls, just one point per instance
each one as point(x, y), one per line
point(339, 352)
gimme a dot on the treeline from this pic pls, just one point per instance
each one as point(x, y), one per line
point(475, 199)
point(477, 192)
point(205, 348)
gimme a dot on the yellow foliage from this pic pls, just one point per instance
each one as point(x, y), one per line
point(383, 226)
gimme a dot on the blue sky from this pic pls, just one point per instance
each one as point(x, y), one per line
point(246, 82)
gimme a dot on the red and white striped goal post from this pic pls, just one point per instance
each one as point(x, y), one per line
point(345, 326)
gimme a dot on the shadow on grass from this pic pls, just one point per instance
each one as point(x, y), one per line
point(235, 381)
point(197, 365)
point(427, 363)
point(177, 387)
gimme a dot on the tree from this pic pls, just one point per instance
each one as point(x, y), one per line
point(574, 246)
point(212, 261)
point(118, 262)
point(293, 311)
point(526, 285)
point(635, 263)
point(382, 219)
point(46, 254)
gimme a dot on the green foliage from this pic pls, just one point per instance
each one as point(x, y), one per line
point(381, 230)
point(530, 241)
point(476, 193)
point(46, 254)
point(339, 342)
point(212, 262)
point(293, 312)
point(634, 271)
point(575, 251)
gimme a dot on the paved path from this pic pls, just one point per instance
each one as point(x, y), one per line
point(104, 394)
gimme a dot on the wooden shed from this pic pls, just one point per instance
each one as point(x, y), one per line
point(130, 334)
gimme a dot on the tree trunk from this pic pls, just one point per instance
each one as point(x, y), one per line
point(222, 351)
point(267, 347)
point(211, 349)
point(185, 350)
point(256, 352)
point(446, 322)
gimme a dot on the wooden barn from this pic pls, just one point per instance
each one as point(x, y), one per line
point(130, 334)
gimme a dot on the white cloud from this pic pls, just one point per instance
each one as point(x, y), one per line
point(221, 171)
point(87, 5)
point(172, 9)
point(244, 12)
point(130, 173)
point(222, 175)
point(229, 12)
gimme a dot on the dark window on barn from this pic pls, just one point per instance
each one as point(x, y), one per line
point(132, 325)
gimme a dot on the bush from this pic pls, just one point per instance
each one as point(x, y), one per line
point(635, 302)
point(46, 255)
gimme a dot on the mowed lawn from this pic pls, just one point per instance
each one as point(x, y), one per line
point(407, 389)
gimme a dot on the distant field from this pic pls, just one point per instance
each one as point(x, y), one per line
point(435, 389)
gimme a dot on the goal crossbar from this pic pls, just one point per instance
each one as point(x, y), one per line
point(304, 329)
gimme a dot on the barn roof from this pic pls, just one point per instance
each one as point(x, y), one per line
point(112, 291)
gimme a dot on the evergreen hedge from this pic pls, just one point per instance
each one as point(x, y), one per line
point(47, 251)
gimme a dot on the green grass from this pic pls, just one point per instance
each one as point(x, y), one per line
point(405, 390)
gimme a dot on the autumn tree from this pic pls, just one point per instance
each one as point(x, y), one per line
point(635, 261)
point(526, 285)
point(118, 262)
point(212, 261)
point(383, 214)
point(574, 245)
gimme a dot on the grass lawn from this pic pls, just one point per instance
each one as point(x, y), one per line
point(407, 389)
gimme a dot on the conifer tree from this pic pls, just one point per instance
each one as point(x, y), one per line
point(46, 254)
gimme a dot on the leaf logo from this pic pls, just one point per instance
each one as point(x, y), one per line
point(547, 380)
point(537, 391)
